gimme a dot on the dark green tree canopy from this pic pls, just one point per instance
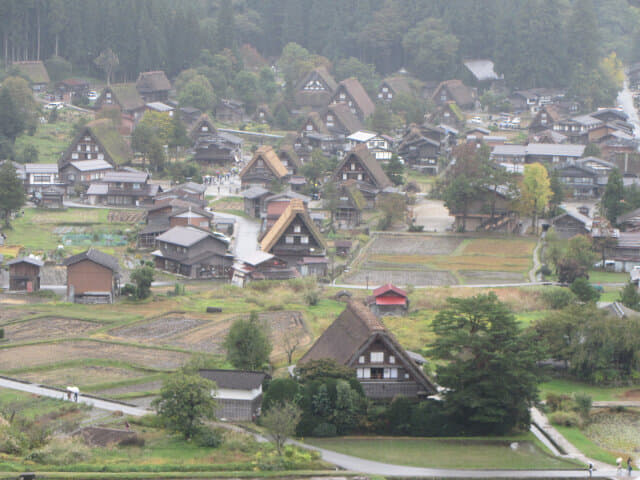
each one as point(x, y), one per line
point(248, 345)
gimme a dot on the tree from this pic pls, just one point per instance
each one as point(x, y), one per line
point(382, 119)
point(142, 277)
point(197, 93)
point(12, 196)
point(488, 365)
point(394, 170)
point(629, 296)
point(247, 344)
point(557, 191)
point(393, 207)
point(11, 122)
point(184, 401)
point(584, 290)
point(583, 34)
point(365, 73)
point(576, 260)
point(280, 422)
point(22, 115)
point(458, 194)
point(431, 50)
point(612, 199)
point(535, 192)
point(107, 61)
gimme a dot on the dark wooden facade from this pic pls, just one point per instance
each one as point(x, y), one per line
point(92, 277)
point(24, 274)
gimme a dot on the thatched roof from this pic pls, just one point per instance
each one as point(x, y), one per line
point(359, 95)
point(295, 209)
point(345, 116)
point(398, 84)
point(350, 188)
point(112, 142)
point(287, 151)
point(155, 81)
point(270, 159)
point(204, 119)
point(460, 93)
point(318, 124)
point(127, 96)
point(35, 71)
point(362, 155)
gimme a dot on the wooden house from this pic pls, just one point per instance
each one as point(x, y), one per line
point(153, 86)
point(343, 247)
point(340, 120)
point(392, 87)
point(238, 393)
point(263, 114)
point(547, 136)
point(296, 239)
point(69, 88)
point(50, 197)
point(570, 224)
point(275, 205)
point(421, 147)
point(193, 252)
point(586, 177)
point(92, 277)
point(24, 274)
point(351, 92)
point(490, 210)
point(315, 89)
point(388, 300)
point(577, 128)
point(263, 169)
point(379, 145)
point(39, 176)
point(314, 134)
point(229, 111)
point(99, 141)
point(189, 115)
point(349, 206)
point(211, 146)
point(289, 158)
point(79, 174)
point(455, 91)
point(254, 198)
point(261, 266)
point(123, 188)
point(358, 340)
point(125, 96)
point(545, 119)
point(35, 72)
point(361, 167)
point(624, 251)
point(483, 74)
point(170, 213)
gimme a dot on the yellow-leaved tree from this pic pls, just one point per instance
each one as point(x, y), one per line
point(535, 192)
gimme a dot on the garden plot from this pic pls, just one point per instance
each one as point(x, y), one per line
point(47, 328)
point(81, 376)
point(27, 356)
point(159, 329)
point(438, 260)
point(615, 431)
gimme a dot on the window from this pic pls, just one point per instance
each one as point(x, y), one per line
point(304, 239)
point(309, 128)
point(100, 156)
point(390, 373)
point(136, 186)
point(74, 156)
point(88, 156)
point(296, 229)
point(377, 373)
point(390, 95)
point(385, 89)
point(377, 357)
point(72, 177)
point(353, 166)
point(366, 373)
point(108, 95)
point(360, 372)
point(342, 96)
point(359, 176)
point(79, 148)
point(392, 359)
point(205, 128)
point(87, 139)
point(288, 239)
point(344, 176)
point(361, 359)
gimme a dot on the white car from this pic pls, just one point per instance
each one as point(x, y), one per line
point(92, 95)
point(476, 120)
point(54, 106)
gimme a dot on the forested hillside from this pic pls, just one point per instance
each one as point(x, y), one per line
point(533, 42)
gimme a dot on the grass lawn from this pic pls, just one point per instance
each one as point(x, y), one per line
point(587, 446)
point(51, 139)
point(598, 276)
point(569, 387)
point(465, 453)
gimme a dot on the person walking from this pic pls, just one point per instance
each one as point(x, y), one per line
point(619, 466)
point(629, 467)
point(590, 469)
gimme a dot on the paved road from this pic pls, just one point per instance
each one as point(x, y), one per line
point(625, 100)
point(94, 402)
point(246, 236)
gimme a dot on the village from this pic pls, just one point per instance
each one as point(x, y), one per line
point(259, 264)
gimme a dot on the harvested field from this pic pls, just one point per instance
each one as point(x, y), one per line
point(139, 387)
point(47, 328)
point(484, 277)
point(35, 355)
point(159, 329)
point(401, 277)
point(414, 245)
point(8, 314)
point(101, 436)
point(82, 376)
point(125, 216)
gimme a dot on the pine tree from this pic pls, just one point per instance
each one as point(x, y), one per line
point(11, 121)
point(613, 195)
point(12, 196)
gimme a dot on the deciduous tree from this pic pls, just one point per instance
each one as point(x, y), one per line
point(535, 192)
point(12, 196)
point(281, 421)
point(613, 196)
point(247, 343)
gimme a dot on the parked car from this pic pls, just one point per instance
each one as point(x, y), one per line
point(476, 120)
point(92, 95)
point(54, 106)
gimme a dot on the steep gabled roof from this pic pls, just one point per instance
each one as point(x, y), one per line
point(354, 329)
point(270, 159)
point(398, 84)
point(153, 82)
point(127, 96)
point(350, 188)
point(295, 209)
point(460, 93)
point(389, 288)
point(482, 69)
point(362, 153)
point(360, 96)
point(324, 75)
point(112, 142)
point(204, 119)
point(35, 71)
point(96, 256)
point(289, 152)
point(345, 116)
point(318, 124)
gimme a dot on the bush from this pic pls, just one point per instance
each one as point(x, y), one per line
point(565, 419)
point(584, 290)
point(210, 437)
point(1, 333)
point(557, 297)
point(583, 406)
point(128, 290)
point(545, 270)
point(311, 297)
point(558, 402)
point(416, 228)
point(325, 430)
point(60, 452)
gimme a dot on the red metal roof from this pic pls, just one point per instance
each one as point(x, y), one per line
point(391, 301)
point(389, 288)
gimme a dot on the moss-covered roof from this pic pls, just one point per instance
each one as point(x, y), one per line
point(113, 143)
point(35, 71)
point(127, 96)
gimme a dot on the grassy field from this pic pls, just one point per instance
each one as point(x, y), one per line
point(569, 387)
point(464, 453)
point(597, 276)
point(587, 446)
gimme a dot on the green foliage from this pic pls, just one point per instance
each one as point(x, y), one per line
point(210, 437)
point(184, 402)
point(584, 291)
point(11, 122)
point(280, 390)
point(613, 197)
point(557, 298)
point(535, 192)
point(142, 277)
point(431, 50)
point(583, 406)
point(365, 73)
point(382, 119)
point(58, 68)
point(629, 296)
point(317, 369)
point(395, 170)
point(1, 333)
point(565, 419)
point(281, 421)
point(475, 337)
point(61, 452)
point(12, 196)
point(393, 207)
point(247, 343)
point(198, 93)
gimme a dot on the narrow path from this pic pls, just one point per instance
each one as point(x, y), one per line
point(534, 276)
point(94, 402)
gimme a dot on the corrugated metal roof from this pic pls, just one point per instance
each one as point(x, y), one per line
point(89, 165)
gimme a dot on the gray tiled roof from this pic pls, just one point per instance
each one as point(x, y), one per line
point(234, 379)
point(95, 256)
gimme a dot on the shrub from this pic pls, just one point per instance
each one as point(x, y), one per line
point(132, 441)
point(210, 437)
point(584, 290)
point(557, 297)
point(558, 402)
point(325, 430)
point(1, 333)
point(311, 297)
point(416, 228)
point(583, 406)
point(545, 270)
point(60, 452)
point(128, 290)
point(565, 419)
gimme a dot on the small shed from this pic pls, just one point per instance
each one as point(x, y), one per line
point(52, 197)
point(239, 393)
point(92, 277)
point(24, 274)
point(343, 247)
point(389, 300)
